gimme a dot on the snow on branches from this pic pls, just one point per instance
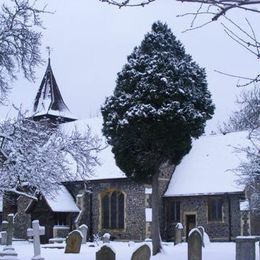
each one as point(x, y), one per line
point(20, 41)
point(249, 171)
point(248, 118)
point(37, 157)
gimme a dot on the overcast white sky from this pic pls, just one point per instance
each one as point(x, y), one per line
point(91, 40)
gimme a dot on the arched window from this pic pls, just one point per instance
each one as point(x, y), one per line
point(113, 210)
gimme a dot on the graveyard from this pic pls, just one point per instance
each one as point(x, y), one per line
point(198, 247)
point(141, 146)
point(214, 251)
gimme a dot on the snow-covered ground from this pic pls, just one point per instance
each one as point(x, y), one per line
point(213, 251)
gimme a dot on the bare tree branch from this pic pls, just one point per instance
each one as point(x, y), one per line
point(214, 10)
point(20, 41)
point(248, 80)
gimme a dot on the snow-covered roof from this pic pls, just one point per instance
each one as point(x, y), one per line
point(107, 168)
point(62, 201)
point(209, 166)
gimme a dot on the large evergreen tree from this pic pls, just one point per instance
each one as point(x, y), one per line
point(160, 102)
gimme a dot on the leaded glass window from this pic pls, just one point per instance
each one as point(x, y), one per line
point(113, 210)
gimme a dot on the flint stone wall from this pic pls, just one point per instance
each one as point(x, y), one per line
point(134, 206)
point(218, 230)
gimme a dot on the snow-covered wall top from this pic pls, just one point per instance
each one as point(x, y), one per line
point(107, 168)
point(208, 168)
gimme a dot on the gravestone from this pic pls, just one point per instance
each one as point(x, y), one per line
point(202, 231)
point(105, 253)
point(84, 230)
point(73, 242)
point(178, 233)
point(195, 245)
point(106, 238)
point(10, 229)
point(8, 251)
point(3, 238)
point(245, 248)
point(142, 253)
point(4, 233)
point(36, 231)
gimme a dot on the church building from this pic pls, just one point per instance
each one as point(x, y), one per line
point(201, 191)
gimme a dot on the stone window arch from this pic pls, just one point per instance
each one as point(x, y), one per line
point(113, 210)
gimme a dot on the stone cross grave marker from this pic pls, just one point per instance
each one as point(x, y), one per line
point(105, 253)
point(142, 253)
point(73, 242)
point(36, 231)
point(84, 230)
point(195, 245)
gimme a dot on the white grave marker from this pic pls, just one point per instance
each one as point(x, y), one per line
point(36, 231)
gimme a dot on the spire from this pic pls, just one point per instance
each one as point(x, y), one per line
point(49, 102)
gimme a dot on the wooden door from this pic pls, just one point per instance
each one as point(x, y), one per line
point(190, 224)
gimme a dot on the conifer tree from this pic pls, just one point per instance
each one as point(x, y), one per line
point(160, 102)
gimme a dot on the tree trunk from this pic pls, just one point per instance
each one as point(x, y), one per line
point(156, 238)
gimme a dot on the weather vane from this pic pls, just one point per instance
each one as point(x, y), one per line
point(49, 50)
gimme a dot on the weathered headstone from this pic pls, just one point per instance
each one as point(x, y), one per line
point(178, 233)
point(73, 242)
point(10, 229)
point(3, 238)
point(142, 253)
point(8, 252)
point(4, 233)
point(105, 253)
point(84, 230)
point(202, 231)
point(195, 245)
point(106, 238)
point(245, 248)
point(4, 225)
point(36, 231)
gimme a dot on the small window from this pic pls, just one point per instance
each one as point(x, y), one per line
point(60, 219)
point(174, 211)
point(215, 209)
point(113, 210)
